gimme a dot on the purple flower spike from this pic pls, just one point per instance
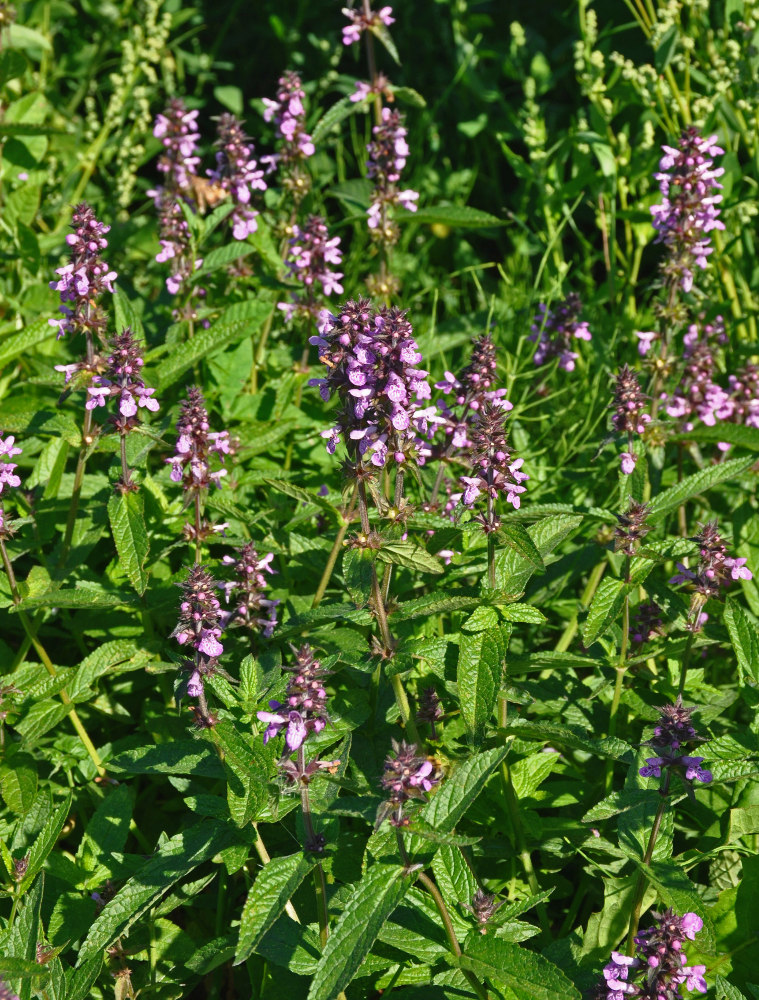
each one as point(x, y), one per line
point(671, 735)
point(407, 776)
point(360, 21)
point(238, 174)
point(84, 279)
point(305, 709)
point(689, 210)
point(288, 114)
point(555, 329)
point(388, 152)
point(311, 257)
point(252, 609)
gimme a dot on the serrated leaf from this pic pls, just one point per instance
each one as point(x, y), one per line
point(370, 904)
point(178, 757)
point(458, 216)
point(738, 434)
point(614, 804)
point(517, 537)
point(743, 822)
point(528, 975)
point(45, 842)
point(459, 791)
point(237, 321)
point(19, 343)
point(453, 875)
point(84, 977)
point(522, 613)
point(332, 117)
point(511, 569)
point(726, 990)
point(744, 637)
point(695, 484)
point(80, 597)
point(21, 942)
point(411, 555)
point(107, 829)
point(18, 782)
point(246, 769)
point(570, 736)
point(221, 256)
point(126, 512)
point(407, 95)
point(20, 968)
point(605, 608)
point(479, 674)
point(126, 315)
point(298, 493)
point(273, 888)
point(176, 858)
point(357, 572)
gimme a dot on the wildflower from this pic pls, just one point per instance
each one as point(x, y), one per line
point(238, 174)
point(311, 254)
point(689, 210)
point(555, 329)
point(430, 709)
point(177, 130)
point(631, 528)
point(697, 395)
point(388, 152)
point(84, 279)
point(407, 776)
point(673, 731)
point(6, 993)
point(495, 470)
point(252, 608)
point(715, 568)
point(659, 967)
point(361, 21)
point(628, 417)
point(647, 621)
point(371, 359)
point(123, 379)
point(483, 908)
point(304, 710)
point(646, 340)
point(8, 449)
point(199, 626)
point(195, 443)
point(288, 114)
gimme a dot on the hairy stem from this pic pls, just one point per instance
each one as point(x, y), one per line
point(320, 884)
point(640, 885)
point(334, 552)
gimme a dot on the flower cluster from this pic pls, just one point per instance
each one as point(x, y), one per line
point(372, 359)
point(673, 731)
point(8, 449)
point(190, 465)
point(238, 174)
point(430, 710)
point(646, 622)
point(388, 152)
point(407, 776)
point(199, 626)
point(289, 115)
point(496, 472)
point(715, 568)
point(304, 710)
point(629, 417)
point(123, 378)
point(554, 330)
point(311, 254)
point(84, 279)
point(471, 391)
point(697, 395)
point(361, 21)
point(176, 127)
point(689, 209)
point(177, 130)
point(6, 993)
point(631, 528)
point(483, 908)
point(251, 607)
point(659, 968)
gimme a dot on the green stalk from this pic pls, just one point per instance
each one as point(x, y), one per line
point(640, 885)
point(334, 552)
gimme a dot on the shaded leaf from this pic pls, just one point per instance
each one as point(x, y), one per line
point(126, 514)
point(459, 791)
point(528, 975)
point(274, 886)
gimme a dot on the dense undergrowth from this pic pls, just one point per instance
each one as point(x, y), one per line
point(379, 421)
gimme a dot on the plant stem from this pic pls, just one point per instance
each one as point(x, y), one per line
point(265, 859)
point(621, 670)
point(586, 597)
point(512, 804)
point(334, 552)
point(445, 916)
point(320, 884)
point(640, 885)
point(48, 664)
point(686, 660)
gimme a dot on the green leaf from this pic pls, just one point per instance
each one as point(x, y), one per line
point(573, 737)
point(332, 117)
point(745, 437)
point(237, 321)
point(459, 791)
point(12, 65)
point(107, 830)
point(221, 256)
point(298, 493)
point(45, 841)
point(357, 572)
point(274, 886)
point(726, 991)
point(744, 637)
point(126, 315)
point(191, 757)
point(523, 613)
point(479, 675)
point(126, 512)
point(692, 486)
point(407, 95)
point(518, 538)
point(246, 768)
point(19, 343)
point(369, 905)
point(512, 571)
point(20, 968)
point(453, 875)
point(21, 942)
point(743, 822)
point(84, 977)
point(176, 858)
point(459, 216)
point(411, 555)
point(605, 608)
point(18, 782)
point(86, 596)
point(528, 975)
